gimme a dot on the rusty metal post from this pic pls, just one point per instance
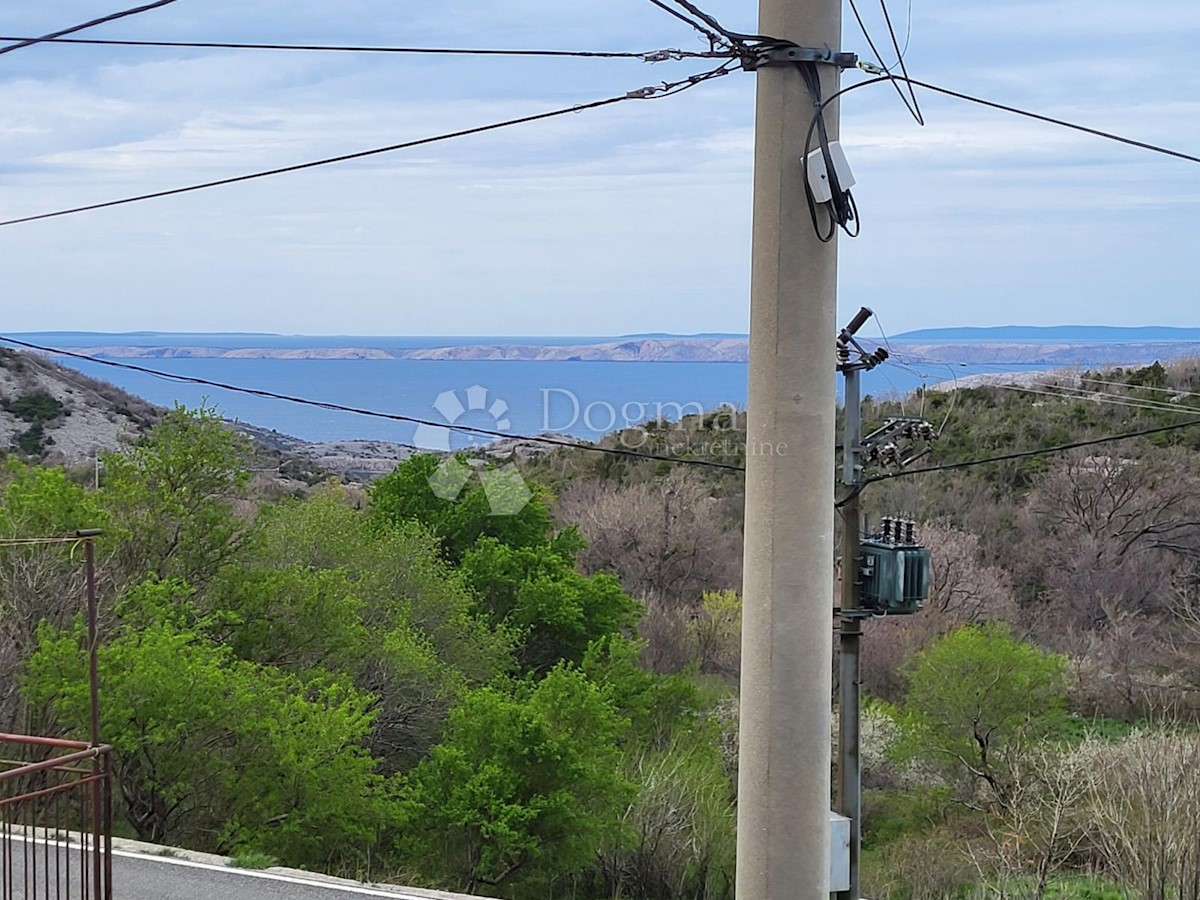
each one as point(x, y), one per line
point(89, 545)
point(108, 827)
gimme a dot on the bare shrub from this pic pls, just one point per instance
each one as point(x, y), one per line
point(716, 635)
point(1141, 799)
point(37, 584)
point(933, 866)
point(1114, 529)
point(683, 828)
point(1041, 830)
point(1116, 671)
point(665, 540)
point(667, 633)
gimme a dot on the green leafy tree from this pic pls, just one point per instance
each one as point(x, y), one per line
point(976, 700)
point(660, 708)
point(37, 583)
point(218, 753)
point(38, 501)
point(317, 585)
point(406, 495)
point(171, 499)
point(524, 790)
point(538, 591)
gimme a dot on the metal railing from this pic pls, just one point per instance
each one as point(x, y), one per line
point(55, 819)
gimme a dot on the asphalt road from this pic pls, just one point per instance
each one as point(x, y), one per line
point(141, 877)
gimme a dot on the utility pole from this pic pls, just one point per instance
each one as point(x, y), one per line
point(890, 569)
point(849, 693)
point(784, 757)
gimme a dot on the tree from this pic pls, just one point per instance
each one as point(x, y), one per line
point(538, 592)
point(659, 708)
point(37, 583)
point(524, 789)
point(976, 699)
point(317, 586)
point(1141, 796)
point(218, 753)
point(171, 498)
point(1113, 529)
point(406, 495)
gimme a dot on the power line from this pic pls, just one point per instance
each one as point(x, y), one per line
point(1175, 392)
point(1059, 392)
point(714, 39)
point(648, 56)
point(901, 54)
point(716, 33)
point(1053, 389)
point(991, 104)
point(1063, 392)
point(112, 17)
point(1029, 454)
point(907, 31)
point(647, 93)
point(913, 106)
point(1074, 371)
point(736, 37)
point(376, 414)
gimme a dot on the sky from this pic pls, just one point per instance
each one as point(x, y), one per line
point(632, 218)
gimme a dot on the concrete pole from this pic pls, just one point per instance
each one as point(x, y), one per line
point(787, 642)
point(849, 696)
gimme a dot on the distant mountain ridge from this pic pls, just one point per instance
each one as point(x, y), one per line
point(1062, 345)
point(1111, 334)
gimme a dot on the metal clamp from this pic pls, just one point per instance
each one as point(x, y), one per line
point(790, 54)
point(853, 615)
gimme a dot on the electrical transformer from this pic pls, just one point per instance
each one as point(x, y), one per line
point(894, 570)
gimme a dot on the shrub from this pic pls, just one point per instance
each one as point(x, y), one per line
point(524, 790)
point(36, 407)
point(682, 824)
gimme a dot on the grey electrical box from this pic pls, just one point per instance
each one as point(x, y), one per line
point(895, 577)
point(839, 853)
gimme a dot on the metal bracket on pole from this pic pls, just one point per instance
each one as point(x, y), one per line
point(790, 54)
point(852, 615)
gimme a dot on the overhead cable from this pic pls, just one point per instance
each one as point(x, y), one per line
point(711, 21)
point(910, 101)
point(112, 17)
point(1175, 392)
point(991, 104)
point(1030, 454)
point(646, 56)
point(1068, 393)
point(714, 39)
point(666, 89)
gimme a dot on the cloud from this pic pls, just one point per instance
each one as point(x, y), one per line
point(631, 218)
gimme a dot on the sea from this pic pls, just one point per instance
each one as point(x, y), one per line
point(580, 399)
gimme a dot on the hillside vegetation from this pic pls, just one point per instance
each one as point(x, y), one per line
point(398, 687)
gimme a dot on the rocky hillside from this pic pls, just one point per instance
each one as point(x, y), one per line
point(59, 416)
